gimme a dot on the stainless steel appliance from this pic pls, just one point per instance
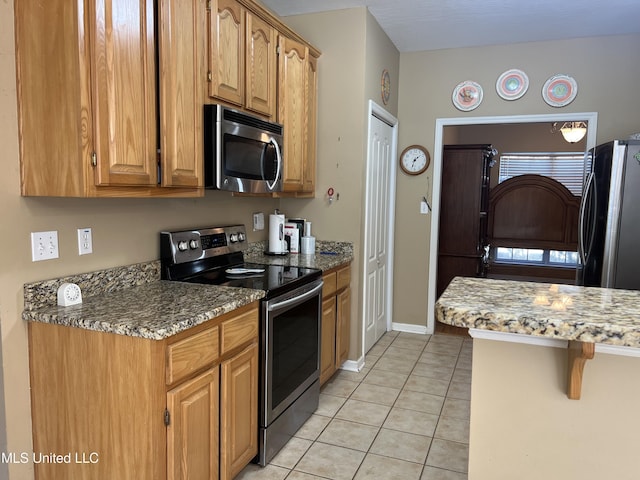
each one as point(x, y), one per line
point(242, 153)
point(289, 323)
point(609, 222)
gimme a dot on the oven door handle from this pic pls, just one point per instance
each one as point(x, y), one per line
point(295, 300)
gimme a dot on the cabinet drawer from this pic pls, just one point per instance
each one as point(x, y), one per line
point(343, 277)
point(329, 287)
point(239, 330)
point(191, 354)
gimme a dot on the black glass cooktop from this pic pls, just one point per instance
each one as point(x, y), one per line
point(274, 279)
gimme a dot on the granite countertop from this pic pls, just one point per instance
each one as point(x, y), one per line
point(154, 310)
point(566, 312)
point(133, 301)
point(328, 255)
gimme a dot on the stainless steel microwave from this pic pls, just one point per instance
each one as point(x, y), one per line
point(242, 153)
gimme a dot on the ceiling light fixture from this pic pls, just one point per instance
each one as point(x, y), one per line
point(572, 132)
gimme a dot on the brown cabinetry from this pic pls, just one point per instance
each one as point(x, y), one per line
point(239, 424)
point(95, 107)
point(464, 204)
point(242, 58)
point(297, 76)
point(336, 321)
point(192, 433)
point(148, 408)
point(257, 64)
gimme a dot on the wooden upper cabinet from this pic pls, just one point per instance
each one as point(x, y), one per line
point(261, 66)
point(292, 110)
point(242, 58)
point(102, 86)
point(309, 169)
point(123, 92)
point(181, 62)
point(226, 50)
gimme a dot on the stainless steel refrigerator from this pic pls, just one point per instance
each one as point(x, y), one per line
point(609, 222)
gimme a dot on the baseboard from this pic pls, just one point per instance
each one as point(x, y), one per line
point(353, 365)
point(409, 328)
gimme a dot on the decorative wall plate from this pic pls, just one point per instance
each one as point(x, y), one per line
point(385, 81)
point(512, 84)
point(467, 95)
point(559, 90)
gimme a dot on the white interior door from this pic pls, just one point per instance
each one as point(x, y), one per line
point(380, 200)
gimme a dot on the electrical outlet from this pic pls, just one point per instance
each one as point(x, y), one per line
point(258, 221)
point(44, 245)
point(85, 242)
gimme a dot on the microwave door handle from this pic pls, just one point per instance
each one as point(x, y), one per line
point(279, 159)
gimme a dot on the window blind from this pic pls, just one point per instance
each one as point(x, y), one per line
point(566, 168)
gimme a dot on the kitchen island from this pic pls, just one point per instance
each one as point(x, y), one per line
point(524, 422)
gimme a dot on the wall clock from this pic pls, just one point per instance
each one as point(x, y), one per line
point(414, 159)
point(385, 90)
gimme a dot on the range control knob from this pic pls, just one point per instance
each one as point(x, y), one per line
point(241, 237)
point(183, 246)
point(193, 244)
point(233, 238)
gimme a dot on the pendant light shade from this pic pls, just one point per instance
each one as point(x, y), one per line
point(572, 132)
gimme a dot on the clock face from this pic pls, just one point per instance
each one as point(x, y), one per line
point(414, 160)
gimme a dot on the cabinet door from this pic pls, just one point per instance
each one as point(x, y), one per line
point(124, 91)
point(226, 51)
point(309, 168)
point(192, 434)
point(261, 66)
point(292, 111)
point(239, 415)
point(328, 339)
point(181, 35)
point(343, 327)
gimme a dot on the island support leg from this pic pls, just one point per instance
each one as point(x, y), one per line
point(578, 354)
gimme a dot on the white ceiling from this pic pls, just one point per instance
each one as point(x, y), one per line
point(416, 25)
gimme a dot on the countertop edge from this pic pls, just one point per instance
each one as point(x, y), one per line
point(453, 308)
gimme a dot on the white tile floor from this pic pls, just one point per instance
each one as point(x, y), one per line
point(405, 416)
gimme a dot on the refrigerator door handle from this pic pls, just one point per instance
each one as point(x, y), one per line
point(581, 223)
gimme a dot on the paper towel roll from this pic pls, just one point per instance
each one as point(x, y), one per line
point(276, 233)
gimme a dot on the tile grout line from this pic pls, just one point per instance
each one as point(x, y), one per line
point(380, 427)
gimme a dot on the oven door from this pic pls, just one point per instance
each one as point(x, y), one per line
point(290, 348)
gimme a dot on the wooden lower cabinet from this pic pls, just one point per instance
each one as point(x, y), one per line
point(328, 340)
point(192, 433)
point(336, 321)
point(239, 418)
point(343, 326)
point(185, 407)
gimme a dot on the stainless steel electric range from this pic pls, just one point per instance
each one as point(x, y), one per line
point(290, 317)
